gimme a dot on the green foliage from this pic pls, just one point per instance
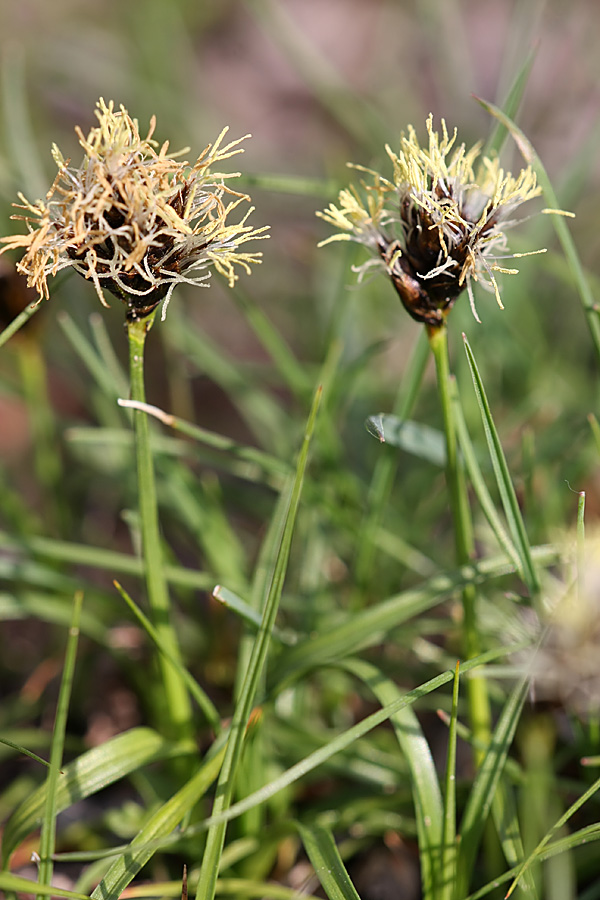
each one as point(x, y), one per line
point(256, 696)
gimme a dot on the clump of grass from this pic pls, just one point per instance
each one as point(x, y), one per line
point(297, 572)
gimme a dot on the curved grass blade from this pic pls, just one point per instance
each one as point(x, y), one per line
point(370, 626)
point(274, 586)
point(503, 480)
point(88, 556)
point(103, 375)
point(86, 775)
point(327, 862)
point(506, 821)
point(344, 740)
point(425, 786)
point(142, 847)
point(289, 369)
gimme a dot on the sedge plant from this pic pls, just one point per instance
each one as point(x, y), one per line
point(137, 221)
point(434, 226)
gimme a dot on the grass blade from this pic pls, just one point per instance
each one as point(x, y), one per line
point(216, 836)
point(387, 464)
point(250, 616)
point(427, 796)
point(10, 882)
point(371, 625)
point(448, 843)
point(24, 751)
point(86, 775)
point(252, 455)
point(344, 740)
point(479, 486)
point(485, 784)
point(506, 820)
point(511, 106)
point(162, 823)
point(48, 833)
point(536, 854)
point(503, 479)
point(200, 696)
point(327, 862)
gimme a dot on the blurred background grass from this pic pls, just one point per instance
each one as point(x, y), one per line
point(316, 84)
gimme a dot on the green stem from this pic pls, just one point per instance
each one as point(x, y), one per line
point(478, 700)
point(177, 703)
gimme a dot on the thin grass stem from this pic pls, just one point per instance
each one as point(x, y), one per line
point(177, 702)
point(48, 832)
point(477, 694)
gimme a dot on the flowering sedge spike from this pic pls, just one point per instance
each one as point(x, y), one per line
point(133, 219)
point(437, 225)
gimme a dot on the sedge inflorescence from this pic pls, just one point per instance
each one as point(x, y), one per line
point(437, 224)
point(135, 220)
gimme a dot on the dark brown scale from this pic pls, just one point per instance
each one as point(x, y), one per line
point(139, 306)
point(425, 299)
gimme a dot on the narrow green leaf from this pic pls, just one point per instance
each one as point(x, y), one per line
point(200, 696)
point(216, 835)
point(250, 616)
point(323, 853)
point(563, 845)
point(48, 832)
point(86, 775)
point(536, 854)
point(425, 787)
point(24, 751)
point(387, 463)
point(485, 784)
point(479, 485)
point(161, 823)
point(18, 322)
point(506, 821)
point(10, 882)
point(291, 372)
point(84, 555)
point(503, 479)
point(371, 625)
point(102, 374)
point(290, 184)
point(342, 741)
point(447, 874)
point(510, 106)
point(106, 350)
point(258, 408)
point(247, 454)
